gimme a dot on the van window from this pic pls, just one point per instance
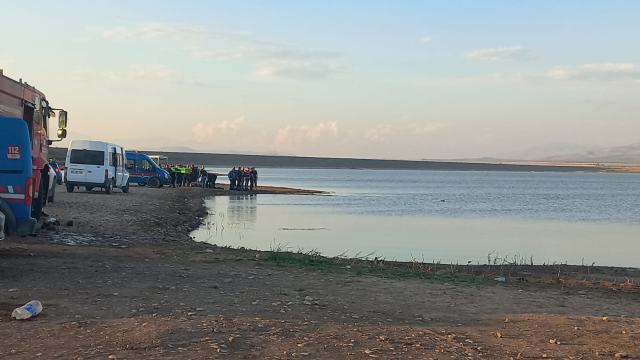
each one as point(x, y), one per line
point(131, 163)
point(87, 157)
point(146, 165)
point(113, 159)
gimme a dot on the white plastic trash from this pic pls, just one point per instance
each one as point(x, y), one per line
point(32, 308)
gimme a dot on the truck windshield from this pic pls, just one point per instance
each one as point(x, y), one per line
point(87, 157)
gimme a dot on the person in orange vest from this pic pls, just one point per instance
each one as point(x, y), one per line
point(245, 176)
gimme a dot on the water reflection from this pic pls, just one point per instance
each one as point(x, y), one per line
point(234, 221)
point(230, 217)
point(242, 209)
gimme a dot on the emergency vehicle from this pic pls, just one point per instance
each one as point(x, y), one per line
point(24, 145)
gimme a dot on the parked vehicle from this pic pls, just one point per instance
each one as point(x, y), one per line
point(57, 170)
point(144, 171)
point(16, 179)
point(96, 164)
point(21, 101)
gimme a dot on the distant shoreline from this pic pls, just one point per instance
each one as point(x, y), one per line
point(268, 161)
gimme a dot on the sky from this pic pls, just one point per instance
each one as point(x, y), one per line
point(369, 79)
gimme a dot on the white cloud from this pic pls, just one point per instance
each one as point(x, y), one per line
point(512, 53)
point(207, 132)
point(156, 30)
point(400, 129)
point(607, 72)
point(264, 52)
point(151, 73)
point(273, 59)
point(205, 43)
point(426, 39)
point(292, 136)
point(378, 133)
point(299, 70)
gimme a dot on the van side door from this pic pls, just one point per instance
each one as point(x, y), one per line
point(123, 165)
point(113, 165)
point(147, 169)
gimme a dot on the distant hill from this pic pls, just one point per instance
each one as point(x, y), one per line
point(231, 160)
point(544, 151)
point(629, 154)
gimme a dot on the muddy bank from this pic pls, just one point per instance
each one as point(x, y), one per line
point(155, 294)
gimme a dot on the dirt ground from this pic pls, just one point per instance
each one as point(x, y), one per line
point(125, 281)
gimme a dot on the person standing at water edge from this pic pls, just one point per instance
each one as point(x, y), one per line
point(203, 177)
point(232, 179)
point(246, 177)
point(178, 176)
point(172, 175)
point(238, 178)
point(253, 178)
point(194, 175)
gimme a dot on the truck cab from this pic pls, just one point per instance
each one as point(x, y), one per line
point(144, 171)
point(16, 178)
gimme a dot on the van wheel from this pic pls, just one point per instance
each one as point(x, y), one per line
point(125, 189)
point(142, 184)
point(36, 208)
point(109, 188)
point(155, 183)
point(70, 188)
point(89, 188)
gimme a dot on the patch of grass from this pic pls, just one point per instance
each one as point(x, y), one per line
point(280, 255)
point(362, 266)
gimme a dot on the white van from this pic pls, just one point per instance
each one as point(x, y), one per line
point(96, 164)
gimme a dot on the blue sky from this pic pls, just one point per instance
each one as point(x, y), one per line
point(377, 79)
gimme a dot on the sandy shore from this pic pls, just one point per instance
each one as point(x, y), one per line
point(126, 281)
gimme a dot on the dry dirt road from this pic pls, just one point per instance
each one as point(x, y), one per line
point(125, 281)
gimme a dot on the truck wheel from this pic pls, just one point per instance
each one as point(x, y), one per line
point(89, 188)
point(109, 188)
point(125, 189)
point(36, 207)
point(70, 188)
point(155, 183)
point(142, 184)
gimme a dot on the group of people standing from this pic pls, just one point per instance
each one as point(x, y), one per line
point(191, 175)
point(243, 178)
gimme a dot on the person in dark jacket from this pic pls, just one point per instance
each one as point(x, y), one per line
point(179, 176)
point(194, 174)
point(172, 175)
point(238, 178)
point(203, 177)
point(232, 179)
point(253, 178)
point(211, 180)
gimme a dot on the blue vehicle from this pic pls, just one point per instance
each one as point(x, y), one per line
point(144, 171)
point(16, 179)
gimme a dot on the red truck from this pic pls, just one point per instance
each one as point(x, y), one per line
point(23, 101)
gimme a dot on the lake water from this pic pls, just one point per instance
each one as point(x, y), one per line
point(438, 216)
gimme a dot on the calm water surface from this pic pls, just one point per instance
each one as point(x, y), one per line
point(400, 215)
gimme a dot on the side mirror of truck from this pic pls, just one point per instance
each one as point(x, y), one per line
point(62, 120)
point(62, 133)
